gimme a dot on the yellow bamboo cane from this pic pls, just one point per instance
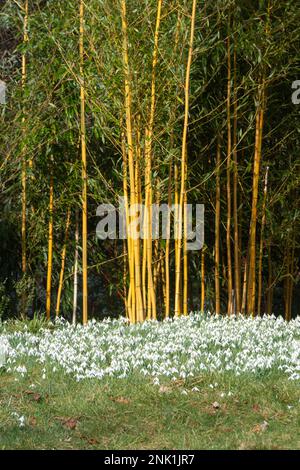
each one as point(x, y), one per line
point(202, 280)
point(256, 169)
point(84, 169)
point(217, 231)
point(136, 289)
point(23, 172)
point(237, 273)
point(183, 158)
point(228, 224)
point(50, 252)
point(261, 246)
point(63, 261)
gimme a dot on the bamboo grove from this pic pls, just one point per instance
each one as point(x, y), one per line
point(167, 102)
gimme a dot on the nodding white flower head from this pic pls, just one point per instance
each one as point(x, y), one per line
point(177, 348)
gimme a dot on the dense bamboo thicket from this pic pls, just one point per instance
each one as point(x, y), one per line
point(167, 102)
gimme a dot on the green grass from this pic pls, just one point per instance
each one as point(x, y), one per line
point(134, 414)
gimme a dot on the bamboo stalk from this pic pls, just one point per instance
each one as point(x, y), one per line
point(63, 260)
point(202, 280)
point(245, 282)
point(148, 149)
point(177, 239)
point(128, 300)
point(287, 284)
point(270, 281)
point(84, 168)
point(229, 149)
point(167, 254)
point(217, 231)
point(176, 197)
point(131, 299)
point(136, 293)
point(50, 252)
point(75, 289)
point(256, 169)
point(291, 277)
point(237, 272)
point(156, 260)
point(185, 254)
point(263, 223)
point(23, 171)
point(183, 158)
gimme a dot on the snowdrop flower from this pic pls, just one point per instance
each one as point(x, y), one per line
point(21, 421)
point(176, 348)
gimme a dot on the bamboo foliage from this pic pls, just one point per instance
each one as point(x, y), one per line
point(148, 118)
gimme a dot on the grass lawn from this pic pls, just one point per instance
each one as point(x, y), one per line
point(222, 412)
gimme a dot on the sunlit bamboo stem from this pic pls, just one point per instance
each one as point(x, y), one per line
point(84, 169)
point(183, 158)
point(229, 149)
point(75, 288)
point(24, 165)
point(261, 243)
point(252, 242)
point(217, 230)
point(50, 252)
point(137, 300)
point(202, 306)
point(237, 271)
point(63, 261)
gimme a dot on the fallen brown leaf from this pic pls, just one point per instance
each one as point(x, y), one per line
point(35, 396)
point(32, 421)
point(258, 428)
point(164, 389)
point(69, 423)
point(123, 400)
point(92, 441)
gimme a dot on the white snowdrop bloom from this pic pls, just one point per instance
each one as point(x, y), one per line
point(21, 370)
point(21, 421)
point(178, 348)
